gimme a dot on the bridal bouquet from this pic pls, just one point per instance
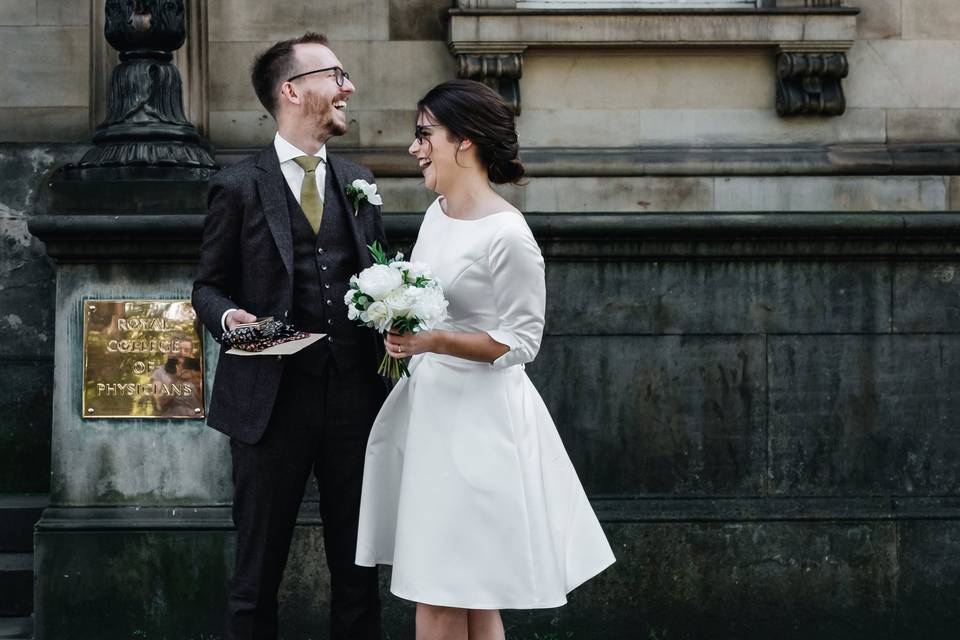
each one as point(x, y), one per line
point(395, 295)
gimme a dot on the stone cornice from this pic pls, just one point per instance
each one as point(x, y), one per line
point(493, 30)
point(159, 238)
point(609, 509)
point(795, 160)
point(496, 39)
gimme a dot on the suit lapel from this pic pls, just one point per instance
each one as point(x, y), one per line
point(271, 185)
point(338, 176)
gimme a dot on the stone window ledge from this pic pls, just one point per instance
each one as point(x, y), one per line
point(810, 43)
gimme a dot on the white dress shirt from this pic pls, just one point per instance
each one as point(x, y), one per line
point(293, 173)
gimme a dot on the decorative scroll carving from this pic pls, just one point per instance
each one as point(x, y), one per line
point(145, 123)
point(809, 83)
point(500, 71)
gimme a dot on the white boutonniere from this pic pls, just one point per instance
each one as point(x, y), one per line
point(360, 190)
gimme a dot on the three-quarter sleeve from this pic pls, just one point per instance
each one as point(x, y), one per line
point(519, 292)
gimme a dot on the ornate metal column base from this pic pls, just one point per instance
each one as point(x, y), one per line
point(809, 83)
point(499, 71)
point(145, 124)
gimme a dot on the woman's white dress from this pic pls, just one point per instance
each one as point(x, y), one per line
point(467, 489)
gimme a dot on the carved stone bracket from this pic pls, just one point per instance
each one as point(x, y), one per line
point(500, 71)
point(808, 83)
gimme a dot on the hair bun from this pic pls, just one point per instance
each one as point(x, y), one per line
point(506, 171)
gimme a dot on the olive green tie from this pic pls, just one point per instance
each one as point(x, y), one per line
point(310, 199)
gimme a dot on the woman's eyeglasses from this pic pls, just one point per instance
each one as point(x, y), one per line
point(338, 73)
point(421, 131)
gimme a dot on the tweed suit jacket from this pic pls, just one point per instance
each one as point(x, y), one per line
point(246, 262)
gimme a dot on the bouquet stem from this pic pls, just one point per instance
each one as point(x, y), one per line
point(393, 368)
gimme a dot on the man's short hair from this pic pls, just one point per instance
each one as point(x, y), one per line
point(275, 65)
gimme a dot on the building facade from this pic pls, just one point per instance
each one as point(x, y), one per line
point(753, 339)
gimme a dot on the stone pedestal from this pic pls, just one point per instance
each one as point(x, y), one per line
point(135, 535)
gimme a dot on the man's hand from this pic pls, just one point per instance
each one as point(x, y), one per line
point(238, 316)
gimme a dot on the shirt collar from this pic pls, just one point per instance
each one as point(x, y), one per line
point(286, 151)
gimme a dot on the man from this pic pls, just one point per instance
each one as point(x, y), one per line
point(282, 239)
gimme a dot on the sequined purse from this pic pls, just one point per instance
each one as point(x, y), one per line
point(260, 335)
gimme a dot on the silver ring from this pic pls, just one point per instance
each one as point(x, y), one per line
point(399, 349)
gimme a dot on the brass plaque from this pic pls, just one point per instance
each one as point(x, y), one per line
point(142, 359)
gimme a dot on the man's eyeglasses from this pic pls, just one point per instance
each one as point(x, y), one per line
point(338, 73)
point(423, 130)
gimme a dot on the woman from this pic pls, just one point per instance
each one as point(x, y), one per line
point(468, 491)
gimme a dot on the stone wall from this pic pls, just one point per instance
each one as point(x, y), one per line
point(26, 318)
point(45, 47)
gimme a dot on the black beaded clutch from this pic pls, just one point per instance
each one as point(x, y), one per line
point(260, 335)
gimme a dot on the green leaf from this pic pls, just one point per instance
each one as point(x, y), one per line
point(377, 252)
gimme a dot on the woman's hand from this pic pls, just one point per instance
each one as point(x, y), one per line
point(410, 344)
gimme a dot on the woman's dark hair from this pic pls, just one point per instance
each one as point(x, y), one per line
point(275, 65)
point(474, 111)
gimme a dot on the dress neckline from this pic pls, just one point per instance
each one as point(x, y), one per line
point(489, 215)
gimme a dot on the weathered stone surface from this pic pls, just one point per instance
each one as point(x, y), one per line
point(627, 81)
point(63, 12)
point(864, 415)
point(386, 128)
point(926, 297)
point(54, 75)
point(625, 128)
point(121, 585)
point(409, 195)
point(903, 74)
point(230, 88)
point(25, 404)
point(26, 274)
point(923, 125)
point(45, 124)
point(893, 193)
point(930, 20)
point(695, 297)
point(662, 414)
point(721, 581)
point(619, 194)
point(252, 129)
point(929, 577)
point(18, 12)
point(252, 20)
point(879, 19)
point(671, 580)
point(418, 19)
point(649, 29)
point(136, 461)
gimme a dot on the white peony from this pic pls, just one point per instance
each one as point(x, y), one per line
point(378, 314)
point(378, 280)
point(430, 307)
point(415, 269)
point(400, 301)
point(369, 190)
point(352, 312)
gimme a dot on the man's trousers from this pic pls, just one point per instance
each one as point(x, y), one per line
point(319, 425)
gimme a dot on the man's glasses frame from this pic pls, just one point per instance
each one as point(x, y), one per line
point(339, 74)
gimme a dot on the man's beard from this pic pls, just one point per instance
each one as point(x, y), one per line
point(323, 117)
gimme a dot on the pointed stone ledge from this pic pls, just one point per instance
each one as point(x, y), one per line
point(484, 39)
